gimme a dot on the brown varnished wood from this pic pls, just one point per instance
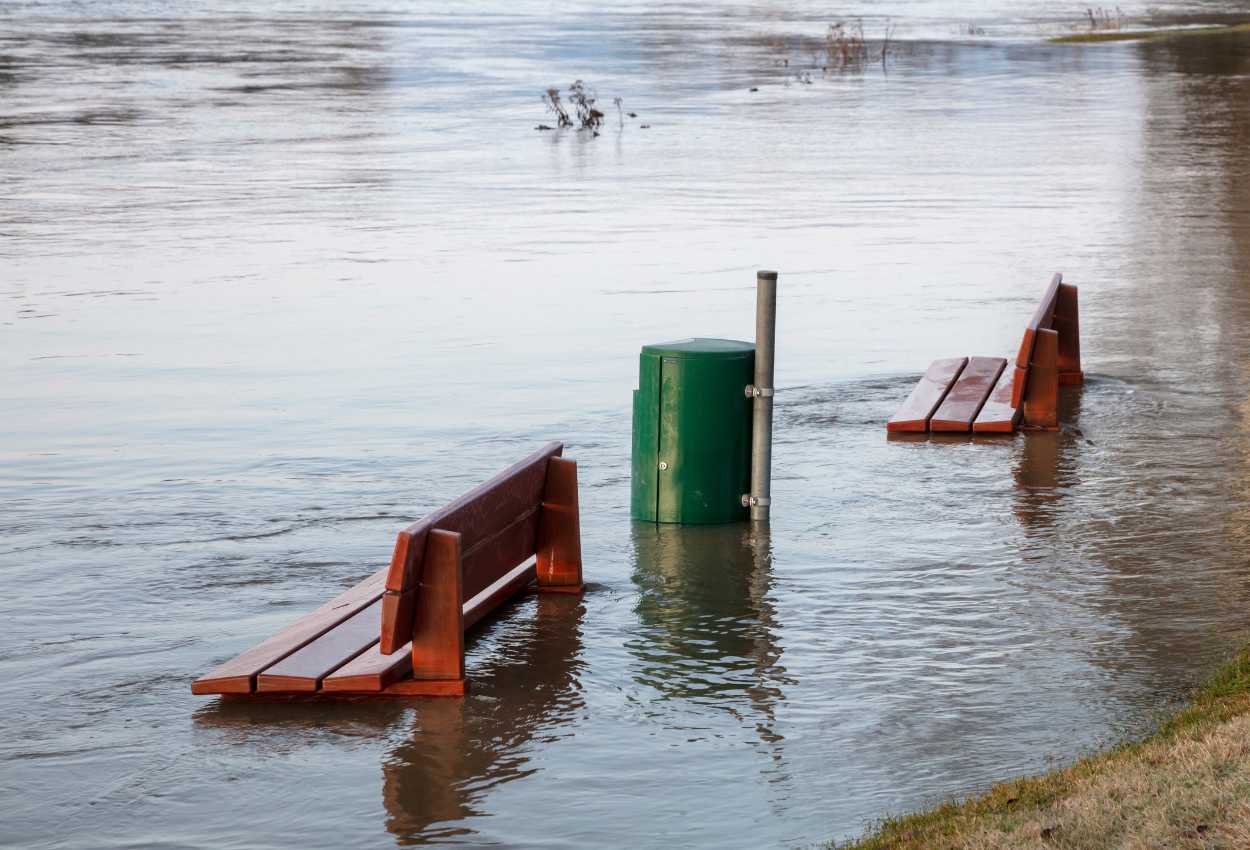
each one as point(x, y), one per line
point(372, 671)
point(559, 544)
point(1042, 318)
point(498, 524)
point(1068, 325)
point(968, 394)
point(998, 415)
point(1041, 394)
point(427, 688)
point(304, 669)
point(1019, 379)
point(491, 558)
point(477, 515)
point(438, 638)
point(238, 675)
point(403, 573)
point(395, 690)
point(399, 612)
point(500, 591)
point(927, 395)
point(481, 566)
point(442, 587)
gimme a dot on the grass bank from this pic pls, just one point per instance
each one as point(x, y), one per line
point(1186, 786)
point(1148, 35)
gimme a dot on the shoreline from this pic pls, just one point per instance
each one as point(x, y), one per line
point(1148, 35)
point(1185, 785)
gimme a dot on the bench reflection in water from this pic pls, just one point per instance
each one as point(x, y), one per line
point(525, 663)
point(1047, 467)
point(524, 687)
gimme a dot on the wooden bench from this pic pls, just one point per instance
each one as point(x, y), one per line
point(987, 395)
point(400, 632)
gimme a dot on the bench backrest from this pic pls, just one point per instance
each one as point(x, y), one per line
point(1043, 319)
point(498, 524)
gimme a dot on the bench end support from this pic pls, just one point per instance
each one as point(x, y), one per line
point(438, 635)
point(559, 545)
point(1041, 392)
point(1068, 324)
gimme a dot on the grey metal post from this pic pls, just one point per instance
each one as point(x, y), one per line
point(762, 413)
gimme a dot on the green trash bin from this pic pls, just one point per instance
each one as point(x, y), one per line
point(692, 431)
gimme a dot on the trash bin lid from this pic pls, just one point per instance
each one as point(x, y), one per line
point(699, 347)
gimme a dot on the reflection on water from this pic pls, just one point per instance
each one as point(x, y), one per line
point(708, 632)
point(1045, 469)
point(276, 280)
point(460, 749)
point(445, 755)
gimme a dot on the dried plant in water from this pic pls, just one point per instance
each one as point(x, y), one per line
point(555, 106)
point(583, 100)
point(844, 45)
point(1104, 19)
point(846, 48)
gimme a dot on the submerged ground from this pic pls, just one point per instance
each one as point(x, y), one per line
point(280, 277)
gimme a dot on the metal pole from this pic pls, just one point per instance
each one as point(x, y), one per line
point(762, 413)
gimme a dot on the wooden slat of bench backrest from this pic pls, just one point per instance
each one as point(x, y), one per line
point(304, 669)
point(1043, 318)
point(498, 526)
point(238, 675)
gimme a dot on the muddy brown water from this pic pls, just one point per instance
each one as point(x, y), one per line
point(278, 278)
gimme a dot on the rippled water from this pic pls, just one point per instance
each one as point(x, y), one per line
point(279, 277)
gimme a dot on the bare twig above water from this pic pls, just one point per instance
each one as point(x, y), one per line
point(554, 105)
point(582, 99)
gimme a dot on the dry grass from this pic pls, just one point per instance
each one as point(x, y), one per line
point(1186, 786)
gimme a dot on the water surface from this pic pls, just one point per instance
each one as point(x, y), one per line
point(278, 278)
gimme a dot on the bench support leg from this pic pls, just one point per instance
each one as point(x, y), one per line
point(559, 530)
point(438, 635)
point(1041, 393)
point(1067, 323)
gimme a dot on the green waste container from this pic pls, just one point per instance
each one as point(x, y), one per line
point(692, 431)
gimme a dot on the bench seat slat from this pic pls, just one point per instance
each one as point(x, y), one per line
point(927, 395)
point(238, 675)
point(998, 415)
point(372, 671)
point(303, 670)
point(964, 401)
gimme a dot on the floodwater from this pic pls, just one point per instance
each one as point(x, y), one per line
point(278, 278)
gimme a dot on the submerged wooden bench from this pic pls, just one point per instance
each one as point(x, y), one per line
point(400, 632)
point(988, 395)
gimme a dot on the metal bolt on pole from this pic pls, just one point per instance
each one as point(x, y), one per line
point(762, 406)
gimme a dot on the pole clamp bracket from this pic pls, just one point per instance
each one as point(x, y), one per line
point(755, 501)
point(753, 391)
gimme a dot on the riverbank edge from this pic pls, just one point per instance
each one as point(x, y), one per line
point(1008, 806)
point(1147, 35)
